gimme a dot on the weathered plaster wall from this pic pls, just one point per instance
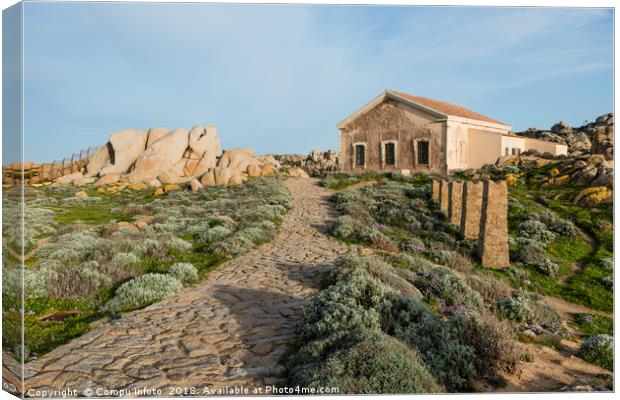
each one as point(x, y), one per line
point(512, 142)
point(484, 147)
point(392, 120)
point(543, 146)
point(457, 145)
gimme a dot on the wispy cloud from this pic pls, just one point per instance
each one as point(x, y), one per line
point(278, 78)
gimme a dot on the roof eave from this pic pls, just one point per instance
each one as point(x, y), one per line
point(378, 99)
point(385, 94)
point(480, 122)
point(394, 95)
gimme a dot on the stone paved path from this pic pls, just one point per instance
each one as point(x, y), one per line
point(229, 330)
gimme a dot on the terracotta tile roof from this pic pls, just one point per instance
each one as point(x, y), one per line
point(446, 108)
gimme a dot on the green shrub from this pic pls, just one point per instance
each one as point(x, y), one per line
point(448, 287)
point(344, 227)
point(35, 281)
point(125, 261)
point(89, 272)
point(256, 234)
point(418, 192)
point(416, 264)
point(381, 241)
point(451, 259)
point(359, 301)
point(148, 247)
point(593, 324)
point(555, 224)
point(345, 306)
point(365, 362)
point(142, 291)
point(186, 273)
point(355, 266)
point(534, 256)
point(598, 350)
point(214, 234)
point(607, 263)
point(344, 198)
point(179, 245)
point(535, 230)
point(70, 248)
point(493, 341)
point(234, 245)
point(492, 290)
point(449, 360)
point(37, 222)
point(526, 307)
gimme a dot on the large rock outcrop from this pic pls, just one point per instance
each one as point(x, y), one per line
point(159, 158)
point(99, 159)
point(592, 138)
point(316, 163)
point(127, 146)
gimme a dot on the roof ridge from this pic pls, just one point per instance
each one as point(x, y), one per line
point(444, 107)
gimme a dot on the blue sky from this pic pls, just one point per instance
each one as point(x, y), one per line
point(279, 78)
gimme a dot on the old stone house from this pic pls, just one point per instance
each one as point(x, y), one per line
point(400, 132)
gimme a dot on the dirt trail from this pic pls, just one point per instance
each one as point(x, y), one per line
point(550, 371)
point(566, 309)
point(229, 330)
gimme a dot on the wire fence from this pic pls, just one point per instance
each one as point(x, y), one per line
point(33, 173)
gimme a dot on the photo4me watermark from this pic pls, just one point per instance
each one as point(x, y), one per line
point(182, 391)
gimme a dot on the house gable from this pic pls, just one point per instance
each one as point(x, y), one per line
point(383, 97)
point(435, 108)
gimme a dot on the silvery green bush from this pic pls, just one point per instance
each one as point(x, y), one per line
point(536, 231)
point(143, 291)
point(526, 307)
point(125, 260)
point(184, 272)
point(361, 298)
point(598, 350)
point(368, 362)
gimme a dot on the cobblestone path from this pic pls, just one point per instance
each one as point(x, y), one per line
point(229, 330)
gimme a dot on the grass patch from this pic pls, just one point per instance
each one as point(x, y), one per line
point(90, 214)
point(548, 340)
point(340, 181)
point(43, 336)
point(586, 285)
point(592, 324)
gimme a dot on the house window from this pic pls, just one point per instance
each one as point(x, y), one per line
point(360, 155)
point(507, 152)
point(423, 152)
point(390, 154)
point(514, 151)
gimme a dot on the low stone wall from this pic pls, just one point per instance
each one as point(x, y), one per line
point(480, 209)
point(34, 173)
